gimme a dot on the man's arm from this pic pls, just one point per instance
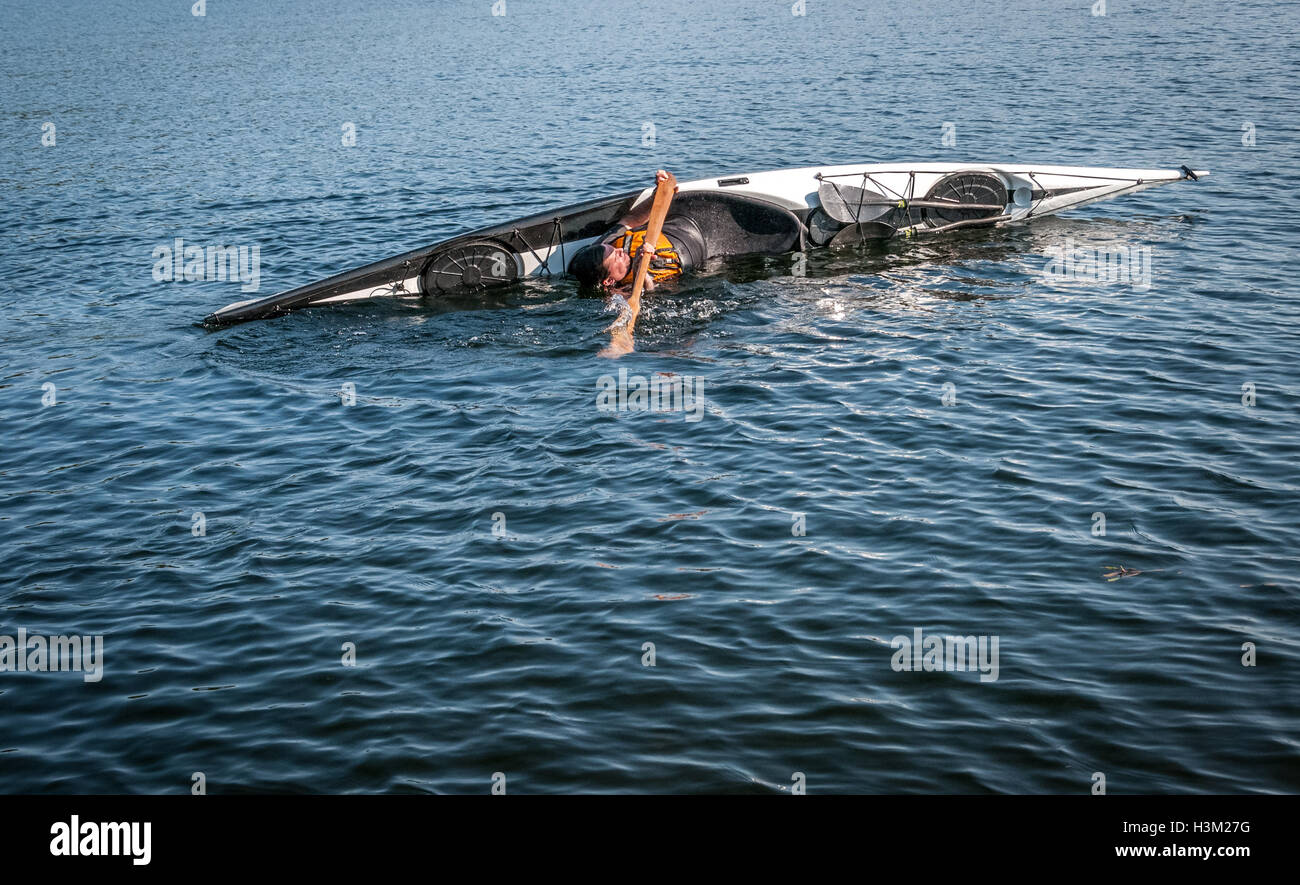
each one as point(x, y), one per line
point(640, 214)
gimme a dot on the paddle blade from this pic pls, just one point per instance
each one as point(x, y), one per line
point(850, 204)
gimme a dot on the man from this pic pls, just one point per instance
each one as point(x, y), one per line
point(610, 261)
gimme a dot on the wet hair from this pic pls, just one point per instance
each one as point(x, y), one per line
point(588, 265)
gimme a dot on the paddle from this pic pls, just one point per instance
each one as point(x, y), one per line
point(620, 339)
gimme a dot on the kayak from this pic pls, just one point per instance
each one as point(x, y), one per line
point(771, 213)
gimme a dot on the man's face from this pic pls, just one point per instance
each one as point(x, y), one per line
point(617, 264)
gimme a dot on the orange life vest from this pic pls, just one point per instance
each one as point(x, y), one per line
point(665, 265)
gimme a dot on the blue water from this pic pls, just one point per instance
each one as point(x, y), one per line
point(520, 651)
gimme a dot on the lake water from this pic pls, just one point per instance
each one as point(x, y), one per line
point(498, 552)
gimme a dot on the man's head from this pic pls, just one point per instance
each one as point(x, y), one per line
point(600, 265)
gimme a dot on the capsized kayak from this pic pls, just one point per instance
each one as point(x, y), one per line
point(760, 213)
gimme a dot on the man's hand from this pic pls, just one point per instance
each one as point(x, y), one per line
point(638, 215)
point(647, 249)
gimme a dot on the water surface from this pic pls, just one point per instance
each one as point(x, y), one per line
point(521, 651)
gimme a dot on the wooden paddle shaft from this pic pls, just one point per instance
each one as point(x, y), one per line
point(663, 198)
